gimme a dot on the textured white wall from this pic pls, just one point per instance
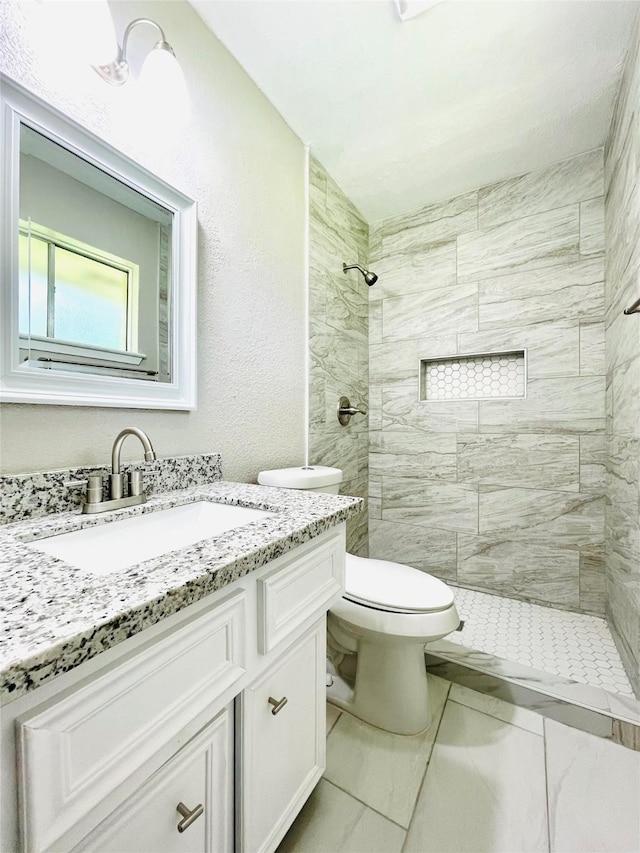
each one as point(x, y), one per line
point(245, 168)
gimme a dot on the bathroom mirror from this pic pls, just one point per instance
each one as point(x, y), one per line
point(98, 269)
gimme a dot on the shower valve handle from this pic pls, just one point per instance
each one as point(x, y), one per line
point(346, 410)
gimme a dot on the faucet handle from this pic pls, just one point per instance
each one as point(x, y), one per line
point(95, 489)
point(74, 484)
point(135, 483)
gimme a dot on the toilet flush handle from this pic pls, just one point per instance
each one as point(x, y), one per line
point(346, 410)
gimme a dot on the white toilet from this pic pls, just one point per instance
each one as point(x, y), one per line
point(387, 614)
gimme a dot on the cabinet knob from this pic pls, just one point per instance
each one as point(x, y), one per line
point(277, 706)
point(188, 815)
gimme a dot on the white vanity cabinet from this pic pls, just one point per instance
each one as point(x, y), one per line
point(198, 780)
point(220, 706)
point(282, 748)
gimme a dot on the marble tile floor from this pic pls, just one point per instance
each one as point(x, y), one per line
point(485, 777)
point(575, 646)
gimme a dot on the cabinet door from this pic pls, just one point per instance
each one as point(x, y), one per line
point(283, 742)
point(199, 775)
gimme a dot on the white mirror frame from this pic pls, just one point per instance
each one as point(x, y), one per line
point(20, 384)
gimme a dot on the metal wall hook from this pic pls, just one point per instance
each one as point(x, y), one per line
point(346, 410)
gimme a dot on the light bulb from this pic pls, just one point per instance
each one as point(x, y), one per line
point(162, 87)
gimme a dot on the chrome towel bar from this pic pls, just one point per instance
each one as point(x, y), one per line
point(633, 309)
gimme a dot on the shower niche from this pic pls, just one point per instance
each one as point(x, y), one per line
point(485, 376)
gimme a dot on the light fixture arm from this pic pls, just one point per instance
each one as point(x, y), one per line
point(117, 72)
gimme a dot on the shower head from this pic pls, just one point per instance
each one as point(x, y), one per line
point(369, 277)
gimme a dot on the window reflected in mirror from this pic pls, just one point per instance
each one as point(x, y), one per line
point(93, 268)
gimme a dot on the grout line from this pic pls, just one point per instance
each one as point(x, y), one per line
point(426, 769)
point(366, 805)
point(494, 717)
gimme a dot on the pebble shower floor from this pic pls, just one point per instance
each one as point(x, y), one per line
point(573, 645)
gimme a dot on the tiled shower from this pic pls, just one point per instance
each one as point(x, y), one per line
point(532, 496)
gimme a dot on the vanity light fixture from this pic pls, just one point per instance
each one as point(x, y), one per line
point(408, 9)
point(117, 72)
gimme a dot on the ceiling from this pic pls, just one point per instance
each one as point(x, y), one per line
point(403, 113)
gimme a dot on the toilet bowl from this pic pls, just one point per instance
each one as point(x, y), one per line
point(377, 631)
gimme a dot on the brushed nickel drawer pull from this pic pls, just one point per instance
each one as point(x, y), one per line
point(188, 816)
point(277, 706)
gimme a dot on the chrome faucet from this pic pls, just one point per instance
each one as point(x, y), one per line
point(117, 500)
point(116, 479)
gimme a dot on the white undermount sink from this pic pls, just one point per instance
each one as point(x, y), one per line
point(117, 545)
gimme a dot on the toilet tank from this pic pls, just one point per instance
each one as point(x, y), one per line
point(314, 478)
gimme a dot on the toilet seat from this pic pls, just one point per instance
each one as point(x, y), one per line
point(394, 587)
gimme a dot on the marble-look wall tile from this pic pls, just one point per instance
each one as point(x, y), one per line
point(375, 239)
point(432, 503)
point(626, 398)
point(571, 406)
point(417, 454)
point(435, 223)
point(593, 579)
point(435, 312)
point(592, 226)
point(623, 502)
point(539, 571)
point(318, 180)
point(537, 514)
point(519, 265)
point(622, 612)
point(336, 450)
point(592, 348)
point(396, 361)
point(567, 182)
point(338, 340)
point(529, 461)
point(623, 260)
point(428, 549)
point(402, 411)
point(398, 274)
point(346, 218)
point(375, 407)
point(565, 290)
point(329, 247)
point(553, 348)
point(345, 309)
point(593, 463)
point(622, 338)
point(531, 243)
point(375, 499)
point(334, 354)
point(375, 322)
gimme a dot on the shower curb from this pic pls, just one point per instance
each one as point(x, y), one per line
point(533, 694)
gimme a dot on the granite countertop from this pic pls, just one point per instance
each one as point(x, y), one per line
point(55, 616)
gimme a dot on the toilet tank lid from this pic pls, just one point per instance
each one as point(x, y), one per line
point(301, 478)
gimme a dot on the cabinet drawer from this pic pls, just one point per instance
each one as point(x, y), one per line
point(283, 753)
point(200, 774)
point(300, 590)
point(76, 752)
